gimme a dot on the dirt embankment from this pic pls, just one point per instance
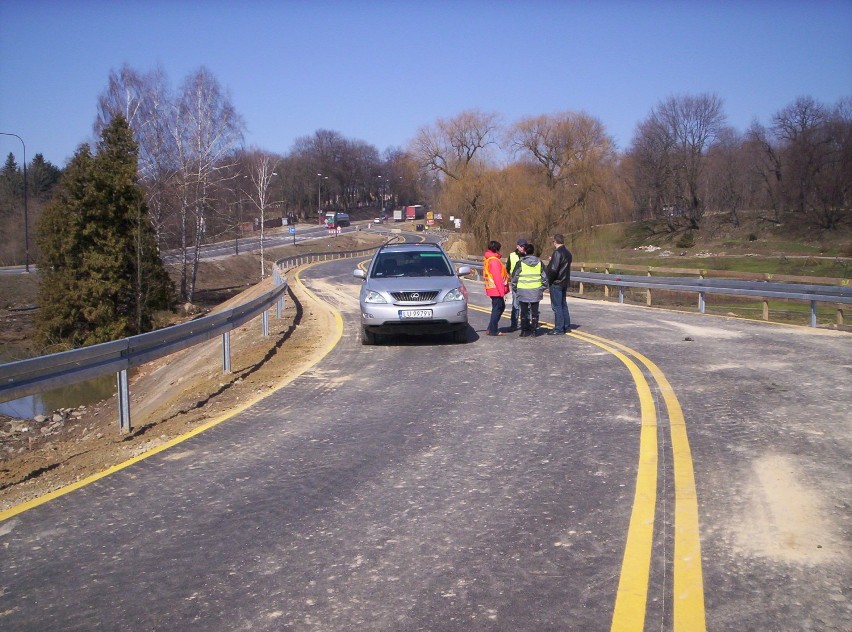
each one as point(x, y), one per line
point(170, 396)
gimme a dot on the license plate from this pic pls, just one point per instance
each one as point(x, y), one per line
point(415, 313)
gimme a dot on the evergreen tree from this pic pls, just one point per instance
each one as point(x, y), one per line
point(59, 235)
point(42, 176)
point(103, 278)
point(11, 183)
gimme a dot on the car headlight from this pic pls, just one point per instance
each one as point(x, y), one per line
point(374, 297)
point(455, 295)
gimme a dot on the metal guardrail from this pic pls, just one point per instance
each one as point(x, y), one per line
point(37, 375)
point(812, 293)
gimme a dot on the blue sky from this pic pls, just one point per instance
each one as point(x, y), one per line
point(377, 71)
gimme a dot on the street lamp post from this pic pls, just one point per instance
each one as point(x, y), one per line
point(26, 215)
point(320, 178)
point(319, 198)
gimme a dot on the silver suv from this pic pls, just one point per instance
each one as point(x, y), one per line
point(412, 289)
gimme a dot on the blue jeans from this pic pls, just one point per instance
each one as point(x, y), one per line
point(498, 305)
point(516, 309)
point(562, 319)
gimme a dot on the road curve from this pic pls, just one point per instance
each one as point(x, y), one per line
point(423, 485)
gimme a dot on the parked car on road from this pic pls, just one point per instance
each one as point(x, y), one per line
point(412, 289)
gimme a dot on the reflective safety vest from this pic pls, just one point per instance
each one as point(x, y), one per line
point(514, 257)
point(530, 276)
point(490, 283)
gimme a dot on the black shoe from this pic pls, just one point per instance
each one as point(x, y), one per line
point(524, 333)
point(553, 332)
point(513, 328)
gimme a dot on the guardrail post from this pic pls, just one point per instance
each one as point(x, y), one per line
point(582, 269)
point(648, 292)
point(123, 401)
point(226, 352)
point(264, 319)
point(620, 293)
point(813, 314)
point(701, 303)
point(606, 287)
point(765, 310)
point(839, 315)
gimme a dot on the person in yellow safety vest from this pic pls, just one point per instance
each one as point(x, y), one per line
point(496, 286)
point(529, 280)
point(514, 258)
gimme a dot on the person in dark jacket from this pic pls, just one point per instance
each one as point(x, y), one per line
point(559, 278)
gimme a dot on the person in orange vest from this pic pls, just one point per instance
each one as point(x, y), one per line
point(496, 286)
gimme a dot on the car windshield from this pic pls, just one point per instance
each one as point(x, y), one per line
point(411, 264)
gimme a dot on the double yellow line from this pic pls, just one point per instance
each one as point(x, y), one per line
point(688, 588)
point(688, 583)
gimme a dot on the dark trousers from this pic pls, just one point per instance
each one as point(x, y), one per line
point(498, 306)
point(529, 316)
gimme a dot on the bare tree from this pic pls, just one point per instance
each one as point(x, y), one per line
point(727, 175)
point(575, 156)
point(145, 100)
point(812, 140)
point(670, 150)
point(765, 163)
point(262, 167)
point(207, 129)
point(456, 151)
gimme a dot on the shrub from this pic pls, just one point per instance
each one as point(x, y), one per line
point(687, 240)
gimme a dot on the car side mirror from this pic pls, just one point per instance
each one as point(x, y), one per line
point(464, 270)
point(359, 273)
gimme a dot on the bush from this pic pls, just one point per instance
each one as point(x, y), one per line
point(687, 240)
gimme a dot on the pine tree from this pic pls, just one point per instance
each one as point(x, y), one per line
point(59, 234)
point(103, 278)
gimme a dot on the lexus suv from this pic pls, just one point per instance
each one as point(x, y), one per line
point(412, 289)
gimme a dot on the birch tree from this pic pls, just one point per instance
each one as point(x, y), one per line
point(146, 103)
point(206, 131)
point(262, 167)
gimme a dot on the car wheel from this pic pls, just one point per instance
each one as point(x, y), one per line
point(367, 337)
point(460, 335)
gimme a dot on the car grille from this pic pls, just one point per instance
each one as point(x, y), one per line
point(414, 297)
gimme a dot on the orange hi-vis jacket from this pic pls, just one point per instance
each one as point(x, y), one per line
point(494, 274)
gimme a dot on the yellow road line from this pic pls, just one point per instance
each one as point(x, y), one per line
point(689, 612)
point(35, 502)
point(632, 595)
point(688, 604)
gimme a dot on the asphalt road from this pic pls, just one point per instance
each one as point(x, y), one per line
point(423, 485)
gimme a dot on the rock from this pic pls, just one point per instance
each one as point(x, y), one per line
point(57, 417)
point(19, 425)
point(39, 419)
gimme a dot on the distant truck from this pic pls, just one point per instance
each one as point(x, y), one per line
point(415, 212)
point(334, 219)
point(397, 215)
